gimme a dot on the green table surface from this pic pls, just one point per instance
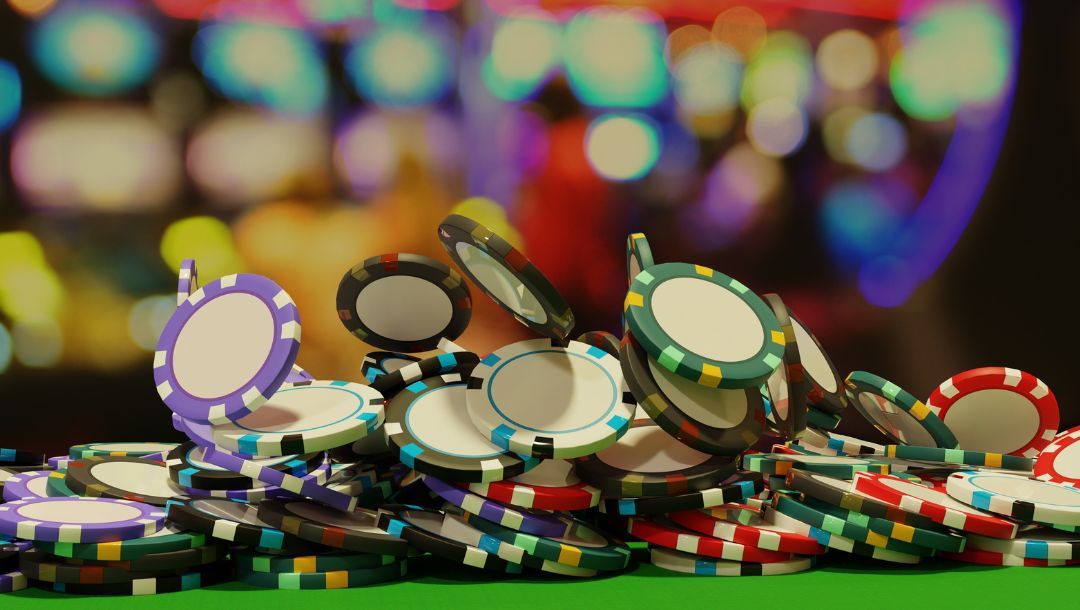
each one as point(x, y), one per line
point(839, 582)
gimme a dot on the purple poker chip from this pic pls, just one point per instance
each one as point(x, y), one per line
point(297, 374)
point(60, 462)
point(318, 476)
point(519, 519)
point(26, 485)
point(188, 281)
point(77, 519)
point(307, 486)
point(12, 581)
point(227, 349)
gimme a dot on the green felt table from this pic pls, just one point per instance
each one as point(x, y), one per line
point(840, 582)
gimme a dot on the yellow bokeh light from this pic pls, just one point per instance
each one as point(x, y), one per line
point(683, 39)
point(32, 8)
point(30, 290)
point(38, 344)
point(847, 60)
point(741, 28)
point(834, 131)
point(205, 239)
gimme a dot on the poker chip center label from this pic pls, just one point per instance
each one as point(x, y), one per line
point(649, 449)
point(680, 304)
point(1013, 415)
point(502, 284)
point(710, 406)
point(212, 373)
point(813, 359)
point(303, 408)
point(1026, 489)
point(897, 421)
point(533, 390)
point(80, 511)
point(426, 313)
point(149, 479)
point(433, 418)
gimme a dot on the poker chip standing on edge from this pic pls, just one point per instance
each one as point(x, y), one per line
point(1059, 462)
point(788, 385)
point(1018, 497)
point(704, 325)
point(638, 256)
point(712, 420)
point(356, 531)
point(897, 414)
point(428, 424)
point(506, 276)
point(227, 349)
point(997, 409)
point(79, 519)
point(403, 302)
point(826, 385)
point(687, 563)
point(187, 280)
point(537, 398)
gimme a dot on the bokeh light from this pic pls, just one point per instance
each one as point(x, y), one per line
point(110, 158)
point(489, 213)
point(332, 12)
point(94, 49)
point(776, 127)
point(860, 218)
point(6, 351)
point(524, 51)
point(876, 141)
point(781, 69)
point(30, 290)
point(366, 154)
point(264, 64)
point(683, 39)
point(205, 239)
point(32, 8)
point(614, 57)
point(706, 79)
point(622, 147)
point(37, 344)
point(10, 94)
point(736, 190)
point(147, 318)
point(403, 65)
point(835, 128)
point(847, 60)
point(740, 28)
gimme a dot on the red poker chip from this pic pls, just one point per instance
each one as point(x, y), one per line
point(659, 531)
point(979, 407)
point(760, 537)
point(580, 496)
point(990, 558)
point(1059, 461)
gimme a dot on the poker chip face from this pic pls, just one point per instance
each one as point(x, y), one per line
point(897, 414)
point(787, 386)
point(826, 390)
point(227, 348)
point(704, 325)
point(1059, 462)
point(78, 519)
point(638, 255)
point(998, 410)
point(403, 302)
point(86, 450)
point(540, 399)
point(25, 485)
point(506, 276)
point(122, 477)
point(1018, 497)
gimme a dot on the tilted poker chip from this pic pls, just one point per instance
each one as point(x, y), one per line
point(959, 456)
point(997, 409)
point(428, 424)
point(457, 362)
point(647, 461)
point(658, 531)
point(188, 280)
point(403, 302)
point(778, 519)
point(126, 478)
point(521, 519)
point(704, 325)
point(788, 385)
point(712, 420)
point(308, 486)
point(1059, 461)
point(188, 468)
point(734, 489)
point(305, 417)
point(538, 398)
point(551, 485)
point(1017, 497)
point(506, 276)
point(232, 521)
point(841, 493)
point(688, 563)
point(826, 385)
point(833, 466)
point(760, 535)
point(638, 256)
point(377, 364)
point(79, 519)
point(602, 339)
point(897, 414)
point(123, 449)
point(582, 546)
point(227, 349)
point(169, 539)
point(356, 531)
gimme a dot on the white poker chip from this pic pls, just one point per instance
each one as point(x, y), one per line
point(1016, 496)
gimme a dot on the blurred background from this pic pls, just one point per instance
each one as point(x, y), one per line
point(900, 172)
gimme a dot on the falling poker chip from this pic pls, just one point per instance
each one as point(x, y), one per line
point(538, 398)
point(188, 468)
point(506, 276)
point(428, 424)
point(1059, 461)
point(897, 414)
point(403, 302)
point(377, 364)
point(638, 256)
point(704, 325)
point(997, 409)
point(227, 349)
point(788, 386)
point(188, 281)
point(826, 391)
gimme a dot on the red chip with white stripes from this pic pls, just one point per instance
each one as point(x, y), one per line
point(668, 535)
point(552, 485)
point(996, 409)
point(762, 537)
point(1059, 462)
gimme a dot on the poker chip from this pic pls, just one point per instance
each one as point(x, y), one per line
point(59, 462)
point(832, 441)
point(187, 282)
point(538, 398)
point(353, 479)
point(1059, 462)
point(788, 385)
point(712, 420)
point(506, 276)
point(12, 581)
point(79, 519)
point(18, 457)
point(990, 558)
point(305, 417)
point(339, 579)
point(307, 564)
point(78, 452)
point(38, 565)
point(308, 486)
point(829, 521)
point(56, 485)
point(227, 349)
point(936, 505)
point(822, 420)
point(581, 546)
point(998, 409)
point(647, 461)
point(9, 557)
point(356, 531)
point(935, 538)
point(833, 466)
point(552, 485)
point(760, 536)
point(1040, 543)
point(298, 374)
point(661, 532)
point(521, 519)
point(203, 577)
point(169, 539)
point(403, 302)
point(602, 339)
point(231, 521)
point(188, 468)
point(159, 562)
point(834, 541)
point(841, 493)
point(826, 386)
point(687, 563)
point(26, 485)
point(443, 364)
point(428, 425)
point(377, 364)
point(1015, 496)
point(737, 488)
point(897, 414)
point(959, 456)
point(126, 478)
point(704, 326)
point(638, 256)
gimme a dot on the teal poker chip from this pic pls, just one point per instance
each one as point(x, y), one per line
point(704, 325)
point(266, 563)
point(582, 546)
point(169, 539)
point(896, 413)
point(838, 526)
point(960, 456)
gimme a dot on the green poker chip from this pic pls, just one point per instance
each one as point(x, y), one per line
point(341, 579)
point(169, 539)
point(704, 326)
point(935, 539)
point(306, 564)
point(821, 419)
point(896, 413)
point(801, 511)
point(776, 464)
point(581, 546)
point(960, 456)
point(638, 255)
